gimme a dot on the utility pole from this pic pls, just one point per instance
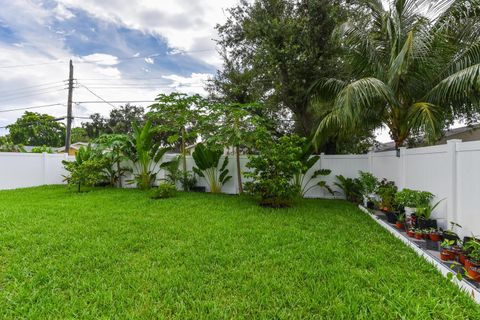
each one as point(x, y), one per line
point(69, 109)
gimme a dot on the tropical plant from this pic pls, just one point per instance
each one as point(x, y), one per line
point(172, 171)
point(415, 66)
point(87, 168)
point(426, 210)
point(207, 166)
point(386, 191)
point(305, 182)
point(114, 149)
point(145, 155)
point(351, 188)
point(273, 170)
point(369, 183)
point(180, 117)
point(164, 190)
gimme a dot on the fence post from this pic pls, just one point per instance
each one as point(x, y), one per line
point(44, 168)
point(452, 173)
point(402, 174)
point(370, 161)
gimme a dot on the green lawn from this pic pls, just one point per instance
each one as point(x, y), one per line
point(117, 254)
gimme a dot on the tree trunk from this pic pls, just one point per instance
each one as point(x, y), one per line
point(239, 173)
point(119, 175)
point(184, 162)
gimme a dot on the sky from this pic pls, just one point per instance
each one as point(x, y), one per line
point(121, 50)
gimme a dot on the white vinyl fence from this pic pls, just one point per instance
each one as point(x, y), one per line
point(450, 171)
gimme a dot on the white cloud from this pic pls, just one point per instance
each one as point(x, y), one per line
point(187, 25)
point(101, 59)
point(62, 13)
point(149, 60)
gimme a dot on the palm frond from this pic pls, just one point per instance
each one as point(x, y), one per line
point(426, 117)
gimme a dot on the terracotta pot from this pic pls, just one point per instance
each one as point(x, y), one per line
point(447, 255)
point(410, 233)
point(473, 270)
point(418, 236)
point(399, 225)
point(462, 259)
point(435, 237)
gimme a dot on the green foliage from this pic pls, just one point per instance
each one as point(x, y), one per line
point(43, 149)
point(274, 51)
point(426, 210)
point(145, 154)
point(164, 191)
point(114, 148)
point(351, 188)
point(409, 71)
point(179, 117)
point(207, 161)
point(79, 134)
point(120, 121)
point(304, 182)
point(87, 168)
point(369, 183)
point(7, 145)
point(172, 171)
point(35, 129)
point(413, 198)
point(273, 171)
point(188, 181)
point(386, 191)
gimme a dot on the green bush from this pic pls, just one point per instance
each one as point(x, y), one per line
point(413, 198)
point(351, 188)
point(387, 191)
point(273, 171)
point(164, 190)
point(369, 183)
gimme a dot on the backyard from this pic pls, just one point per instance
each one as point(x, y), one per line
point(112, 253)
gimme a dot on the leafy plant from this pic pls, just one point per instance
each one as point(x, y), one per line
point(86, 169)
point(472, 248)
point(273, 170)
point(114, 149)
point(42, 149)
point(351, 188)
point(386, 191)
point(369, 183)
point(301, 180)
point(164, 190)
point(172, 171)
point(207, 161)
point(425, 211)
point(188, 181)
point(145, 155)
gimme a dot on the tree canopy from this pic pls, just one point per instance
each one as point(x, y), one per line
point(35, 129)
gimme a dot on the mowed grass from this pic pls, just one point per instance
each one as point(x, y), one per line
point(116, 254)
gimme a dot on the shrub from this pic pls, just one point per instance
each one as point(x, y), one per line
point(387, 191)
point(413, 198)
point(42, 149)
point(368, 182)
point(351, 188)
point(273, 171)
point(207, 161)
point(164, 190)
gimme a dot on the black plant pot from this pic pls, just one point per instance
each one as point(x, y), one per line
point(198, 189)
point(426, 224)
point(370, 205)
point(391, 217)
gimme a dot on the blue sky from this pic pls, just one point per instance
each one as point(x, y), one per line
point(122, 50)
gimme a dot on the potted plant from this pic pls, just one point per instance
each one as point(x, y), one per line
point(369, 185)
point(411, 233)
point(448, 252)
point(418, 234)
point(450, 234)
point(424, 212)
point(386, 191)
point(407, 198)
point(434, 234)
point(472, 260)
point(400, 224)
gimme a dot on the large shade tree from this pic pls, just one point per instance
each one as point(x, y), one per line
point(35, 129)
point(414, 65)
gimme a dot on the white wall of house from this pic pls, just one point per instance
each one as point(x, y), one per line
point(450, 171)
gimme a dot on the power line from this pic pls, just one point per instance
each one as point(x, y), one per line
point(33, 86)
point(96, 95)
point(34, 107)
point(115, 101)
point(31, 65)
point(32, 95)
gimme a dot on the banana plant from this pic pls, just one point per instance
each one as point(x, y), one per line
point(207, 161)
point(146, 155)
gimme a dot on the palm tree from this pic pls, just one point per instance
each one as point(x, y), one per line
point(414, 65)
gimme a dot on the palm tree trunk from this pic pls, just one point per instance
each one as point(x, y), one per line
point(239, 173)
